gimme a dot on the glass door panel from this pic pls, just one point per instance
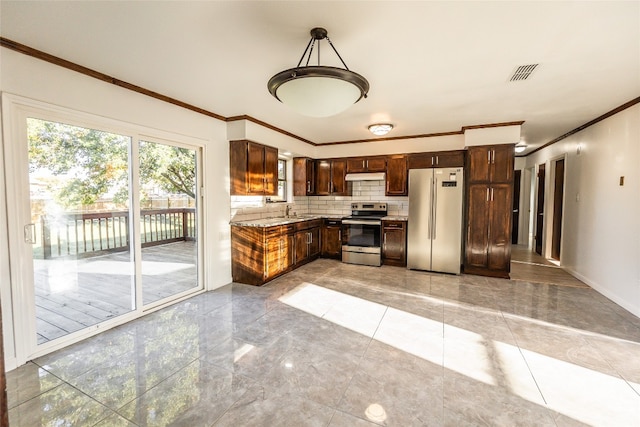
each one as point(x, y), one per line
point(168, 220)
point(83, 266)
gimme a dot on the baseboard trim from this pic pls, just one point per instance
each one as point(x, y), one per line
point(605, 292)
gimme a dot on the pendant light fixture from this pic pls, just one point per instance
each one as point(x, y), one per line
point(316, 90)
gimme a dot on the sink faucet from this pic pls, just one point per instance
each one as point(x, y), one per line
point(288, 210)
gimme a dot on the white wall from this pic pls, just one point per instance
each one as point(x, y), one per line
point(601, 221)
point(416, 145)
point(35, 79)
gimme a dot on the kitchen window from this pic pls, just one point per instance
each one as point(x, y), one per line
point(282, 183)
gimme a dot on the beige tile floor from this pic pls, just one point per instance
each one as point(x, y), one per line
point(333, 344)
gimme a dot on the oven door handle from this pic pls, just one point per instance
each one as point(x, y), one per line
point(361, 222)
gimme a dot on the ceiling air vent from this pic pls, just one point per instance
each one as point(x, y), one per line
point(523, 72)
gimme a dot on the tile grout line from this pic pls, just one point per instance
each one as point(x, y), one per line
point(362, 357)
point(442, 364)
point(515, 339)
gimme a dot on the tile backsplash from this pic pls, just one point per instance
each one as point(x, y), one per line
point(245, 208)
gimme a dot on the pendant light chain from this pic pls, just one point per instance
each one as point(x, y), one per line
point(334, 49)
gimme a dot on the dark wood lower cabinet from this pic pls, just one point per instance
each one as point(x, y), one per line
point(331, 239)
point(260, 254)
point(488, 236)
point(307, 241)
point(394, 243)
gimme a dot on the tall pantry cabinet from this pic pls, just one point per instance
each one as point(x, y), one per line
point(489, 203)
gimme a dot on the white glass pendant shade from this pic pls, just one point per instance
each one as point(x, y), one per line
point(316, 90)
point(318, 96)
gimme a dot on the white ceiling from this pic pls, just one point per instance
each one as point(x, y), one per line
point(432, 66)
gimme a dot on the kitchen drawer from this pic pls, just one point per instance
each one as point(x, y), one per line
point(305, 225)
point(397, 225)
point(288, 228)
point(270, 232)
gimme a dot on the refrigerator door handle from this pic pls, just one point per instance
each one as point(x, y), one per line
point(435, 208)
point(430, 223)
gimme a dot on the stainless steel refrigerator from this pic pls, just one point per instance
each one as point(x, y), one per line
point(434, 230)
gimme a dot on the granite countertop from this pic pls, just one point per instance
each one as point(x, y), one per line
point(270, 222)
point(395, 218)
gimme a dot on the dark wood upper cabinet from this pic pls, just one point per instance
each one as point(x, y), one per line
point(323, 177)
point(396, 177)
point(491, 163)
point(304, 170)
point(330, 178)
point(366, 164)
point(253, 169)
point(270, 171)
point(339, 186)
point(437, 159)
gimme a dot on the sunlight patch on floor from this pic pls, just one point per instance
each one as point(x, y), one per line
point(582, 394)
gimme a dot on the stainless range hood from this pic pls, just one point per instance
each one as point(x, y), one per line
point(378, 176)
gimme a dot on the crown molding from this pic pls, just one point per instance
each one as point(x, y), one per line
point(29, 51)
point(586, 125)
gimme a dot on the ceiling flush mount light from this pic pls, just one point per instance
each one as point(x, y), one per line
point(521, 147)
point(380, 128)
point(316, 90)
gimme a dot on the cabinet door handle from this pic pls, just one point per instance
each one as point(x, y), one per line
point(488, 156)
point(385, 241)
point(487, 194)
point(340, 235)
point(432, 161)
point(492, 194)
point(493, 160)
point(437, 160)
point(363, 166)
point(308, 186)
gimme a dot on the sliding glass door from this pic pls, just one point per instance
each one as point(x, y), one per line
point(103, 224)
point(83, 271)
point(168, 220)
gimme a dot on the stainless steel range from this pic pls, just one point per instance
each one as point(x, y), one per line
point(361, 233)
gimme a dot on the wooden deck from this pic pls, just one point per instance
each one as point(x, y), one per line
point(74, 294)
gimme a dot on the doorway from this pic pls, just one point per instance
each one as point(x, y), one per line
point(515, 216)
point(558, 196)
point(540, 209)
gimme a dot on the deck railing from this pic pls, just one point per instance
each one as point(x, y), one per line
point(92, 234)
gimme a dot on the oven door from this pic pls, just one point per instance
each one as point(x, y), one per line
point(361, 235)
